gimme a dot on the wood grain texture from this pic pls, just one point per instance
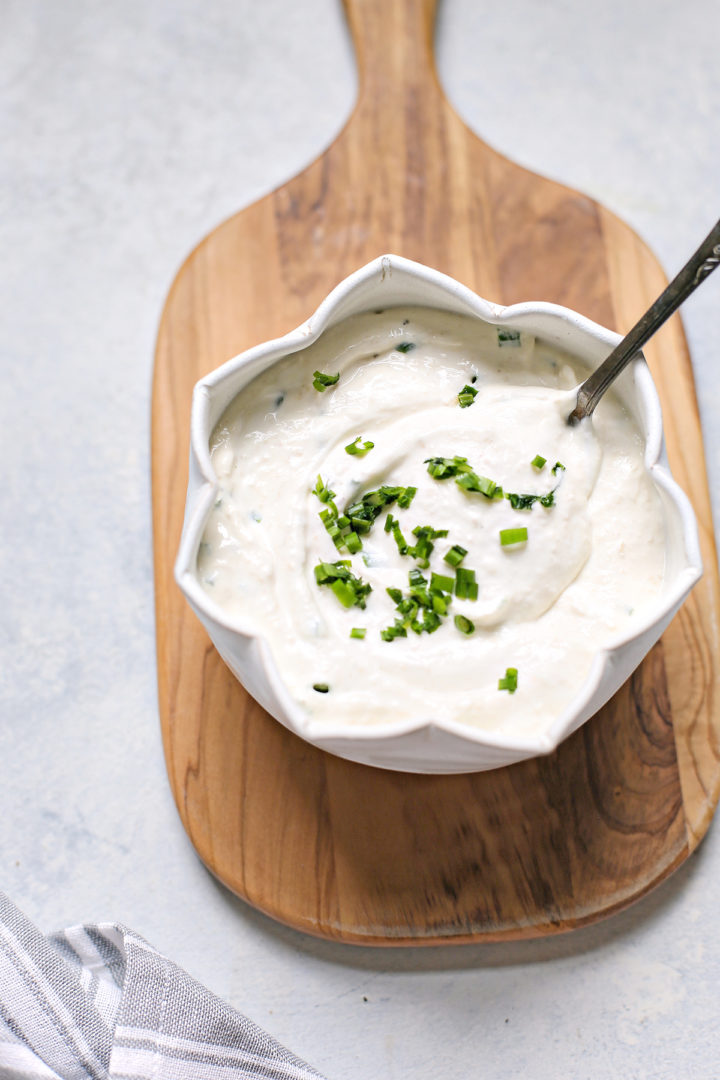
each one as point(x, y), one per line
point(360, 854)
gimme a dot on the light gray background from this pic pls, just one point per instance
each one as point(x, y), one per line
point(127, 130)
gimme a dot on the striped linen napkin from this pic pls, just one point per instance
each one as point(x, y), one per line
point(99, 1002)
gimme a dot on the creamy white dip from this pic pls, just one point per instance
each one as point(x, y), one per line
point(593, 561)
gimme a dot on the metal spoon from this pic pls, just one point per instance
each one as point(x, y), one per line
point(696, 269)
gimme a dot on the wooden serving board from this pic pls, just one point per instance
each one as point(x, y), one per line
point(359, 854)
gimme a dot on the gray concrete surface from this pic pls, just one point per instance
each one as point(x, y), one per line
point(127, 130)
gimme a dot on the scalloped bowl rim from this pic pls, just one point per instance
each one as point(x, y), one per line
point(197, 509)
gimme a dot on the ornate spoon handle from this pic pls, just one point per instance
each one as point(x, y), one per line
point(696, 269)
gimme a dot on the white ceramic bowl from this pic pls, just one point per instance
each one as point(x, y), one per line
point(422, 745)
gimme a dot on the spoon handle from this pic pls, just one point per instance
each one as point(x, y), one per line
point(696, 269)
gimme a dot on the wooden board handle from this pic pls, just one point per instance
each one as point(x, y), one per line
point(393, 42)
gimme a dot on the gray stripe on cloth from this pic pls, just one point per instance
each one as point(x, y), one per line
point(20, 1063)
point(208, 1054)
point(111, 955)
point(100, 1003)
point(197, 1017)
point(100, 985)
point(44, 1004)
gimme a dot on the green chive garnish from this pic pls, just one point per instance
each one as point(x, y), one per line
point(464, 625)
point(405, 346)
point(556, 466)
point(423, 549)
point(513, 536)
point(358, 632)
point(359, 451)
point(364, 511)
point(440, 581)
point(508, 337)
point(440, 468)
point(455, 555)
point(352, 542)
point(344, 592)
point(525, 502)
point(322, 491)
point(510, 681)
point(398, 630)
point(321, 687)
point(538, 461)
point(350, 590)
point(402, 544)
point(407, 497)
point(470, 481)
point(439, 602)
point(465, 585)
point(321, 381)
point(466, 396)
point(338, 525)
point(423, 609)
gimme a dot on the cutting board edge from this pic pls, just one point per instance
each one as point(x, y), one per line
point(532, 932)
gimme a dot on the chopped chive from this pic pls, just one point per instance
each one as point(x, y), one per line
point(423, 609)
point(513, 536)
point(440, 581)
point(322, 381)
point(407, 497)
point(431, 621)
point(364, 511)
point(470, 481)
point(350, 590)
point(556, 466)
point(325, 571)
point(397, 630)
point(508, 337)
point(521, 502)
point(510, 680)
point(465, 585)
point(359, 451)
point(322, 491)
point(389, 522)
point(405, 346)
point(441, 468)
point(465, 626)
point(321, 687)
point(358, 632)
point(337, 527)
point(402, 544)
point(466, 396)
point(344, 592)
point(525, 502)
point(439, 602)
point(423, 549)
point(455, 555)
point(538, 461)
point(352, 542)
